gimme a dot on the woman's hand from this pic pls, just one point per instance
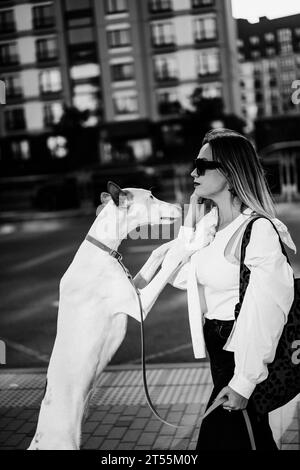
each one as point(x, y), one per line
point(195, 211)
point(235, 400)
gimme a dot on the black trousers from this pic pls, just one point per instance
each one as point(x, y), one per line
point(224, 430)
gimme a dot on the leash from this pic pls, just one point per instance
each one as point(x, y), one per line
point(115, 254)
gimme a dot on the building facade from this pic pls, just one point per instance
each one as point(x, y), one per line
point(269, 55)
point(131, 63)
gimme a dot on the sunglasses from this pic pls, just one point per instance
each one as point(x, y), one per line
point(202, 165)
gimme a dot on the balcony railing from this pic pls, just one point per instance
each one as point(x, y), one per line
point(9, 27)
point(43, 23)
point(9, 60)
point(46, 56)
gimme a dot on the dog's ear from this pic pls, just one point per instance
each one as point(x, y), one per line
point(118, 195)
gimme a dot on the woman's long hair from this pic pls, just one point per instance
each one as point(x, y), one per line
point(243, 170)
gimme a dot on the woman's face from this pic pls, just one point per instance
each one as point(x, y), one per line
point(213, 182)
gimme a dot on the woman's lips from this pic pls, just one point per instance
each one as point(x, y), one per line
point(196, 184)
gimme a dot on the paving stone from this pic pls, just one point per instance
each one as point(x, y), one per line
point(93, 443)
point(110, 418)
point(116, 433)
point(174, 416)
point(153, 426)
point(14, 440)
point(27, 428)
point(4, 435)
point(146, 412)
point(25, 443)
point(109, 444)
point(179, 407)
point(139, 423)
point(147, 438)
point(124, 422)
point(102, 429)
point(163, 443)
point(126, 446)
point(131, 436)
point(97, 415)
point(14, 425)
point(118, 409)
point(13, 412)
point(167, 430)
point(193, 408)
point(131, 410)
point(90, 426)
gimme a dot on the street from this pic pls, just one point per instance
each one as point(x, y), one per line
point(34, 259)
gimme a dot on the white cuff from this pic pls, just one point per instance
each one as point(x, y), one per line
point(242, 386)
point(186, 233)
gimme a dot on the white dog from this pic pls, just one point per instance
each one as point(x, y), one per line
point(94, 300)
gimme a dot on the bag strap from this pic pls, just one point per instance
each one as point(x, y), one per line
point(244, 270)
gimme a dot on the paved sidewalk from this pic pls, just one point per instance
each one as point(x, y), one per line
point(120, 418)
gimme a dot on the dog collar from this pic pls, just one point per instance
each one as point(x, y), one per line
point(113, 253)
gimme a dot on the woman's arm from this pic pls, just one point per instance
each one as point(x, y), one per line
point(267, 302)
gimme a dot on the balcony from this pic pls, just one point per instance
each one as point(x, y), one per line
point(7, 28)
point(166, 79)
point(43, 23)
point(167, 45)
point(158, 7)
point(166, 108)
point(196, 4)
point(9, 60)
point(47, 56)
point(14, 94)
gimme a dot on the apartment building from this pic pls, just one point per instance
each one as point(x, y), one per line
point(269, 55)
point(133, 64)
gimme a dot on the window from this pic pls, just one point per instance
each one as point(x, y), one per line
point(255, 54)
point(7, 22)
point(8, 54)
point(13, 86)
point(50, 81)
point(162, 34)
point(202, 3)
point(165, 68)
point(76, 5)
point(20, 150)
point(285, 39)
point(208, 61)
point(205, 28)
point(168, 103)
point(52, 113)
point(211, 90)
point(160, 5)
point(297, 32)
point(119, 37)
point(269, 37)
point(46, 49)
point(126, 104)
point(254, 40)
point(14, 119)
point(43, 16)
point(115, 6)
point(121, 72)
point(270, 51)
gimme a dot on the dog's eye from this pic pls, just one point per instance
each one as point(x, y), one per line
point(151, 197)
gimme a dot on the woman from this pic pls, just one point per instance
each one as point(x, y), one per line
point(229, 176)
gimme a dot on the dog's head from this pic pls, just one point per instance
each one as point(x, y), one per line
point(140, 204)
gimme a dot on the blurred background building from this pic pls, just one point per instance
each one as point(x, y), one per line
point(99, 87)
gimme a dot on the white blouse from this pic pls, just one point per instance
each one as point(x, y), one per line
point(267, 301)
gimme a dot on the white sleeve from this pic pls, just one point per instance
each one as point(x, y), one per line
point(179, 279)
point(267, 302)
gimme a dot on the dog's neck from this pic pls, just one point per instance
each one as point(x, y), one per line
point(113, 225)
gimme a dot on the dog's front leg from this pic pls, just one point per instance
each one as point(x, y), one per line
point(146, 273)
point(151, 292)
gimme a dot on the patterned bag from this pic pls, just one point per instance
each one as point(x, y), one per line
point(283, 381)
